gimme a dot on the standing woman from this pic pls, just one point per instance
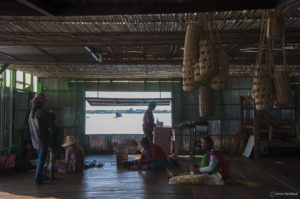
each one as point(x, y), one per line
point(148, 121)
point(39, 129)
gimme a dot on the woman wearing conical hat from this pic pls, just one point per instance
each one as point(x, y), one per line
point(74, 155)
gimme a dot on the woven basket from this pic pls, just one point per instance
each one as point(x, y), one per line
point(206, 104)
point(282, 88)
point(218, 81)
point(197, 75)
point(188, 78)
point(262, 92)
point(206, 60)
point(190, 55)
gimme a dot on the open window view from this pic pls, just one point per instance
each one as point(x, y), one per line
point(122, 112)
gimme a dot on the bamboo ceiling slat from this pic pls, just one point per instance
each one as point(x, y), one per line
point(153, 43)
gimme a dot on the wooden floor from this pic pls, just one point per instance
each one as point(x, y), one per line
point(275, 176)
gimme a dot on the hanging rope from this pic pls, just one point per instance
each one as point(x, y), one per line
point(283, 44)
point(261, 42)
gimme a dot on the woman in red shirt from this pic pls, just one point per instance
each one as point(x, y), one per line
point(153, 157)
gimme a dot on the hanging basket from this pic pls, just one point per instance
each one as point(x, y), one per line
point(282, 88)
point(206, 60)
point(206, 104)
point(198, 77)
point(218, 81)
point(190, 55)
point(188, 78)
point(262, 90)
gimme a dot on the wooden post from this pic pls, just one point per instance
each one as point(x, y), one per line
point(256, 132)
point(270, 133)
point(242, 105)
point(297, 131)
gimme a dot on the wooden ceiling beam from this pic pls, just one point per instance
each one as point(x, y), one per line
point(93, 64)
point(166, 61)
point(9, 56)
point(48, 54)
point(129, 39)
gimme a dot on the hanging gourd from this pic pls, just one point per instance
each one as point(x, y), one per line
point(188, 78)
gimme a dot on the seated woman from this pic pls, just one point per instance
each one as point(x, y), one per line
point(152, 158)
point(211, 170)
point(24, 156)
point(74, 156)
point(213, 160)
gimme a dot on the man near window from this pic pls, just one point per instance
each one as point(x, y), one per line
point(148, 121)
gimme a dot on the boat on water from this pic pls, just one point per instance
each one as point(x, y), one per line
point(118, 114)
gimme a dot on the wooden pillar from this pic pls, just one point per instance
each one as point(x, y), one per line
point(270, 133)
point(256, 132)
point(242, 116)
point(12, 89)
